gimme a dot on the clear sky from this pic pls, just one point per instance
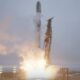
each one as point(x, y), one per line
point(16, 28)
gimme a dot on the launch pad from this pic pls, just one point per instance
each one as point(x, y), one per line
point(62, 74)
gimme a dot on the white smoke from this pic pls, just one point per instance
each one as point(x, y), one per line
point(14, 32)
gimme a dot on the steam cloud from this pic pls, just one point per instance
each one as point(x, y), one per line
point(15, 33)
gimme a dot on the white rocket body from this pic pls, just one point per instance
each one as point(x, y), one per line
point(38, 24)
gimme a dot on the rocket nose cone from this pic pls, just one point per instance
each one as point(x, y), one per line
point(38, 7)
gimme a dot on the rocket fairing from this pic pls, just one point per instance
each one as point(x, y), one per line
point(38, 7)
point(38, 24)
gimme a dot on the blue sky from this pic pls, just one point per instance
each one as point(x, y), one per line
point(17, 26)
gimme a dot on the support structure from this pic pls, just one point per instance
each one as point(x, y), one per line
point(48, 40)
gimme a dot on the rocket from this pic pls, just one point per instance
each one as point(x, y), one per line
point(38, 24)
point(48, 34)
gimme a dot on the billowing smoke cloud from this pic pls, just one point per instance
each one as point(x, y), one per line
point(14, 33)
point(4, 36)
point(3, 49)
